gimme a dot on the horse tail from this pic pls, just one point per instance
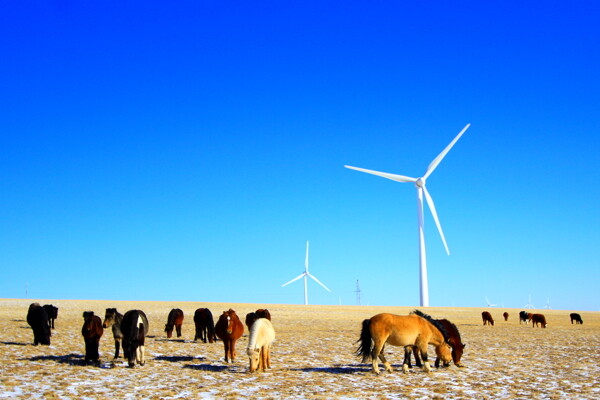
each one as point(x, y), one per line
point(211, 328)
point(364, 348)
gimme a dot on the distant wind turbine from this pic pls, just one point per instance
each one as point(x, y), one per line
point(422, 190)
point(548, 304)
point(489, 304)
point(304, 275)
point(529, 305)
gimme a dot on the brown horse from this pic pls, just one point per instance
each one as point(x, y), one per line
point(414, 330)
point(505, 315)
point(253, 316)
point(487, 318)
point(229, 328)
point(92, 332)
point(205, 325)
point(175, 319)
point(453, 339)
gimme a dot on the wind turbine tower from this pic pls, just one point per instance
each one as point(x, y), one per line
point(422, 192)
point(305, 275)
point(357, 291)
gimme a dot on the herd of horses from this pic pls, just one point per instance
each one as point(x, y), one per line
point(415, 332)
point(525, 317)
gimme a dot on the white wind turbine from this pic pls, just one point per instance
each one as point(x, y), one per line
point(529, 305)
point(304, 275)
point(489, 304)
point(421, 189)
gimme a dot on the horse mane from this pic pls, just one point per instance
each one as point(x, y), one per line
point(435, 323)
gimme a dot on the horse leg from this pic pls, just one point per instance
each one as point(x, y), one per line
point(422, 345)
point(268, 356)
point(227, 350)
point(178, 327)
point(117, 345)
point(377, 353)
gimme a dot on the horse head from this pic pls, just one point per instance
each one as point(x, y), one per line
point(110, 317)
point(230, 315)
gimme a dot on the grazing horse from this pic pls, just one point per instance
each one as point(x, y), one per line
point(505, 315)
point(261, 337)
point(205, 325)
point(414, 330)
point(538, 319)
point(92, 332)
point(577, 318)
point(487, 318)
point(112, 318)
point(523, 317)
point(175, 319)
point(229, 328)
point(37, 318)
point(253, 316)
point(52, 312)
point(455, 342)
point(134, 327)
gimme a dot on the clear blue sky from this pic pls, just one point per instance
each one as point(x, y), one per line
point(187, 151)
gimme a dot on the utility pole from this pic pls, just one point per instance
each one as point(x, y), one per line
point(357, 291)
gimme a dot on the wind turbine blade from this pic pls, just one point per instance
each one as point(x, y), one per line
point(295, 279)
point(306, 260)
point(319, 282)
point(435, 217)
point(394, 177)
point(439, 158)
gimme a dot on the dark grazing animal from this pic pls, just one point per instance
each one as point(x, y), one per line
point(37, 318)
point(134, 327)
point(409, 331)
point(92, 332)
point(577, 318)
point(455, 342)
point(523, 317)
point(487, 318)
point(175, 319)
point(229, 329)
point(505, 315)
point(538, 319)
point(205, 325)
point(52, 313)
point(253, 316)
point(112, 318)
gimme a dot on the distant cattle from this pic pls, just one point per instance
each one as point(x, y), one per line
point(205, 325)
point(487, 318)
point(52, 313)
point(37, 318)
point(505, 315)
point(92, 332)
point(577, 318)
point(538, 319)
point(175, 319)
point(523, 317)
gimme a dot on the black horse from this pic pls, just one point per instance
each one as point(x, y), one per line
point(205, 325)
point(134, 327)
point(523, 317)
point(37, 318)
point(92, 332)
point(52, 312)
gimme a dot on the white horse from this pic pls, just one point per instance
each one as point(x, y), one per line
point(261, 337)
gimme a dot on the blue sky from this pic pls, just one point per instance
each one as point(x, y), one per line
point(187, 152)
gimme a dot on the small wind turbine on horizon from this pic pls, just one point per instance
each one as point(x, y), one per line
point(529, 305)
point(489, 304)
point(547, 306)
point(422, 191)
point(304, 275)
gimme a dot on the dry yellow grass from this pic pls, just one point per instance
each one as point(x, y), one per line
point(312, 357)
